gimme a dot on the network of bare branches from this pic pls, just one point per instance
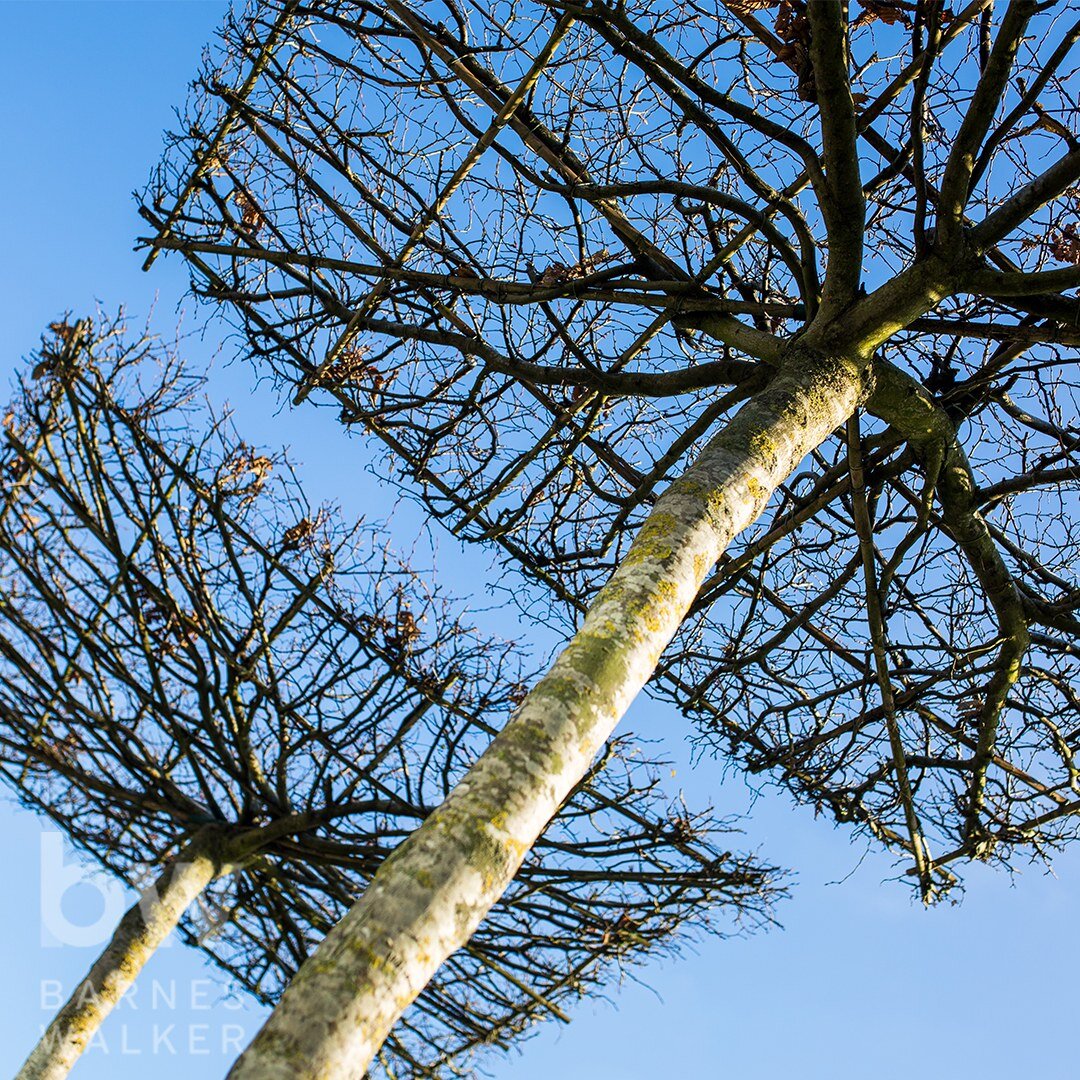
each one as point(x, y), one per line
point(187, 644)
point(542, 249)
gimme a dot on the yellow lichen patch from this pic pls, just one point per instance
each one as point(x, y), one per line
point(762, 446)
point(702, 565)
point(756, 489)
point(716, 503)
point(654, 540)
point(659, 613)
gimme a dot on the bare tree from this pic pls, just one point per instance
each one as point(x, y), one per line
point(210, 684)
point(549, 253)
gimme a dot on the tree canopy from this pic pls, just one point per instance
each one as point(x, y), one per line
point(543, 251)
point(189, 647)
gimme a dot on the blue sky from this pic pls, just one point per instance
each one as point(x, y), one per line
point(860, 982)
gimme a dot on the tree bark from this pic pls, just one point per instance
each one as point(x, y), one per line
point(431, 894)
point(142, 929)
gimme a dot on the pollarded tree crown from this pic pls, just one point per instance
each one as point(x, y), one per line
point(189, 649)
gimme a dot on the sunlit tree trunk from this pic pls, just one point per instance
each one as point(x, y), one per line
point(431, 894)
point(142, 929)
point(937, 215)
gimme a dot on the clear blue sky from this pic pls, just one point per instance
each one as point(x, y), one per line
point(860, 982)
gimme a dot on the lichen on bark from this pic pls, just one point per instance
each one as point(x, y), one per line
point(430, 895)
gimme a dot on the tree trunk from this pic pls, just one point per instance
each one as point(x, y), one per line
point(142, 929)
point(431, 894)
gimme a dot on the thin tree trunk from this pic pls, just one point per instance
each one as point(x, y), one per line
point(431, 894)
point(142, 929)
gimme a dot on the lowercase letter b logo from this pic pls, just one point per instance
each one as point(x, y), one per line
point(58, 877)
